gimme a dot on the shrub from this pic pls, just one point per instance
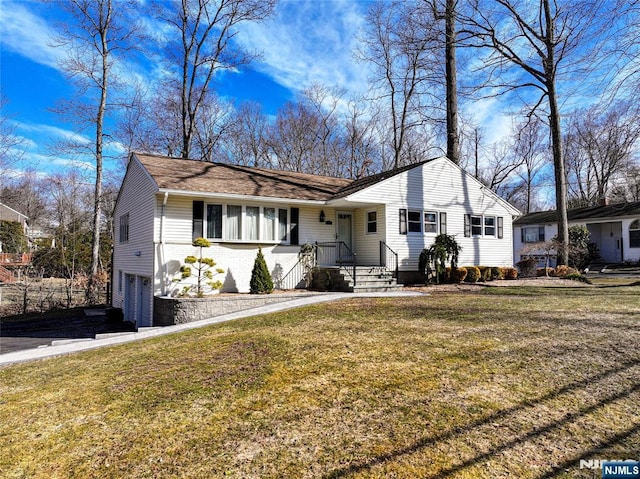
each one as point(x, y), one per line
point(527, 267)
point(204, 270)
point(496, 273)
point(562, 271)
point(485, 273)
point(261, 281)
point(510, 273)
point(544, 272)
point(458, 275)
point(473, 274)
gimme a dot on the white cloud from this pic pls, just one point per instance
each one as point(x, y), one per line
point(27, 34)
point(308, 42)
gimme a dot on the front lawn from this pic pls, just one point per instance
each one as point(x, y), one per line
point(499, 382)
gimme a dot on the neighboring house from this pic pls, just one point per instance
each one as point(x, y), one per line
point(615, 229)
point(9, 214)
point(381, 221)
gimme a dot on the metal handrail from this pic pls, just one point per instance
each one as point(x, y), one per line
point(389, 258)
point(337, 253)
point(295, 278)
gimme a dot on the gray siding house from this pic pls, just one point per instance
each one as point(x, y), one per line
point(381, 221)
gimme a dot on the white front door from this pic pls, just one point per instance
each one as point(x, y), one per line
point(344, 234)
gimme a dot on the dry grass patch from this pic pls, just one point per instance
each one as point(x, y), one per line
point(494, 382)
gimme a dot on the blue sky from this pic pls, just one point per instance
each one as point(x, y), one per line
point(304, 42)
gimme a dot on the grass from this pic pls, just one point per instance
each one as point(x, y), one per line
point(498, 382)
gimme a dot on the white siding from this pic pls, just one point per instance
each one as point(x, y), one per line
point(442, 187)
point(367, 245)
point(134, 257)
point(236, 258)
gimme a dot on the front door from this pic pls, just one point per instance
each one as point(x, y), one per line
point(144, 315)
point(129, 297)
point(344, 236)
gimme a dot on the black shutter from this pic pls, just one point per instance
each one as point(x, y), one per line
point(541, 233)
point(443, 223)
point(522, 235)
point(295, 215)
point(198, 216)
point(467, 225)
point(500, 227)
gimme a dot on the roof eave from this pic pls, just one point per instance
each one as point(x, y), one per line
point(232, 196)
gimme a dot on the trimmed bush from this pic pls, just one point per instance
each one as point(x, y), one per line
point(485, 273)
point(563, 271)
point(261, 281)
point(496, 273)
point(527, 268)
point(578, 277)
point(458, 275)
point(510, 273)
point(473, 274)
point(544, 272)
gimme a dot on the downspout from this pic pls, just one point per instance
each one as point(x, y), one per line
point(162, 256)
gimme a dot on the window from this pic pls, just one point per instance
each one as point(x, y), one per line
point(489, 225)
point(414, 222)
point(372, 222)
point(214, 221)
point(403, 221)
point(234, 222)
point(634, 234)
point(430, 222)
point(476, 225)
point(252, 224)
point(532, 234)
point(124, 228)
point(270, 224)
point(282, 224)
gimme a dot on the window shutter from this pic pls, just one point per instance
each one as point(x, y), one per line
point(500, 227)
point(295, 215)
point(522, 235)
point(467, 225)
point(198, 216)
point(443, 223)
point(403, 221)
point(541, 233)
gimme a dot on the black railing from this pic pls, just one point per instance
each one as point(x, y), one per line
point(297, 276)
point(337, 253)
point(389, 259)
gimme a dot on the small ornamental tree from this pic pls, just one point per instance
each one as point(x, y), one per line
point(432, 260)
point(204, 269)
point(261, 281)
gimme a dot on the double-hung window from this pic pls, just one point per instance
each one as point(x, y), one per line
point(233, 223)
point(532, 234)
point(484, 226)
point(489, 225)
point(252, 223)
point(372, 222)
point(269, 224)
point(476, 225)
point(414, 221)
point(430, 222)
point(634, 234)
point(214, 221)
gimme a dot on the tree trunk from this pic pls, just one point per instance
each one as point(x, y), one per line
point(453, 140)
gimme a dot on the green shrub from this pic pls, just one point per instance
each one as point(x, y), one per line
point(510, 273)
point(261, 281)
point(485, 273)
point(496, 273)
point(458, 275)
point(473, 274)
point(204, 270)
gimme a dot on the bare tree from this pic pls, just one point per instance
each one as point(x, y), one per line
point(402, 44)
point(602, 146)
point(202, 47)
point(246, 138)
point(532, 148)
point(360, 142)
point(533, 41)
point(97, 30)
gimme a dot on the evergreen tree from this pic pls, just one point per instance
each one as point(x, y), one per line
point(261, 281)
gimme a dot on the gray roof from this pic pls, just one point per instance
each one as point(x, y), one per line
point(581, 214)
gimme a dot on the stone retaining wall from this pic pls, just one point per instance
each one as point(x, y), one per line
point(168, 311)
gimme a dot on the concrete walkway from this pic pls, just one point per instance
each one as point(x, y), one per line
point(62, 347)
